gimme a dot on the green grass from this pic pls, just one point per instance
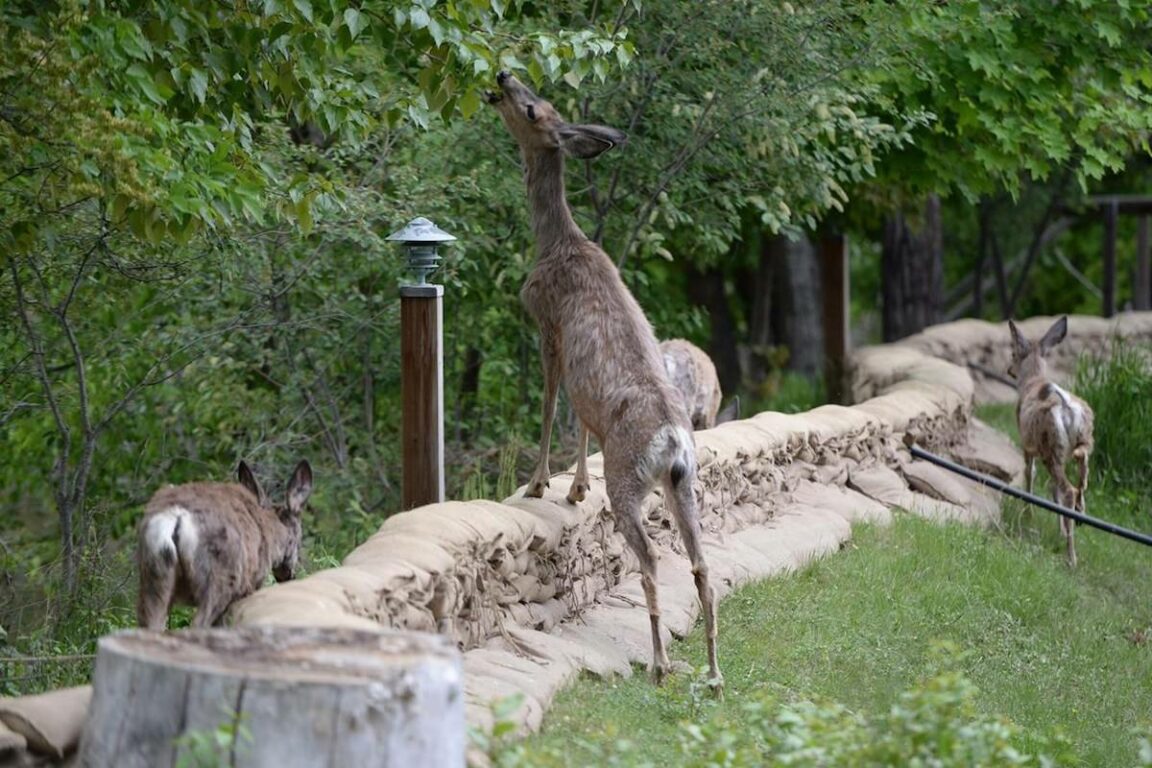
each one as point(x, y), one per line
point(1052, 650)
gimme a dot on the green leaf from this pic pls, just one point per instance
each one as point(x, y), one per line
point(470, 103)
point(198, 83)
point(354, 21)
point(304, 7)
point(143, 80)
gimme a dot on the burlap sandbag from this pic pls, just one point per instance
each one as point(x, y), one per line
point(936, 482)
point(538, 678)
point(409, 548)
point(297, 607)
point(481, 693)
point(461, 526)
point(990, 451)
point(10, 740)
point(50, 722)
point(851, 505)
point(546, 647)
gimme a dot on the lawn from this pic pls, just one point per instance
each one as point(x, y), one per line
point(1061, 658)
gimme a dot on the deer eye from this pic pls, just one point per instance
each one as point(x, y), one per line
point(531, 110)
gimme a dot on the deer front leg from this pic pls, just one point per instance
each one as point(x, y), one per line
point(550, 352)
point(580, 483)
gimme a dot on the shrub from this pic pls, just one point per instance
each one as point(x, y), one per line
point(1119, 389)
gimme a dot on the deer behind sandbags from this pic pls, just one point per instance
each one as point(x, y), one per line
point(210, 544)
point(1055, 425)
point(694, 374)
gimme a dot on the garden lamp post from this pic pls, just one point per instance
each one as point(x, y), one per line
point(422, 366)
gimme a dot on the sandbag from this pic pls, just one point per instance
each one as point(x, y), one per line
point(51, 723)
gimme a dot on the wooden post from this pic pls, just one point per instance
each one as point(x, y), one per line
point(837, 310)
point(1142, 291)
point(1109, 289)
point(279, 697)
point(422, 393)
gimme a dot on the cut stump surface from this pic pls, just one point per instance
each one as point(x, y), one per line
point(275, 696)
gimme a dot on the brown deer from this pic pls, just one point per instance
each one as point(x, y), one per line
point(693, 373)
point(1055, 425)
point(596, 341)
point(210, 544)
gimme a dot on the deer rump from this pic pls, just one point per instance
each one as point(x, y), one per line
point(210, 544)
point(200, 533)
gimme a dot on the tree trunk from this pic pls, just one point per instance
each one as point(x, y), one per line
point(912, 271)
point(758, 295)
point(797, 308)
point(707, 290)
point(468, 395)
point(276, 697)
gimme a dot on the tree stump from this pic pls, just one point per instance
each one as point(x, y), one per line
point(277, 697)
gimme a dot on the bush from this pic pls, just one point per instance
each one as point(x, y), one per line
point(1119, 389)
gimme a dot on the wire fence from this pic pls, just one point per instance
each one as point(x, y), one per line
point(20, 675)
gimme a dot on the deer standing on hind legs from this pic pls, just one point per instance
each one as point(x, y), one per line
point(1055, 425)
point(595, 339)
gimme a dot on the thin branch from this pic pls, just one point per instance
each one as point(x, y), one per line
point(38, 353)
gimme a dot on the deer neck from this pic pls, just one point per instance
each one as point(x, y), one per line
point(1030, 372)
point(552, 219)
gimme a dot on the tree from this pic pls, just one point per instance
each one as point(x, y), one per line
point(135, 138)
point(1019, 92)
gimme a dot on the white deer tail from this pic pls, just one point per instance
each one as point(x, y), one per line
point(170, 535)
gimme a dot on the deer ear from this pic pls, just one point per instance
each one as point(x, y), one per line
point(249, 481)
point(1020, 345)
point(1054, 335)
point(299, 487)
point(588, 141)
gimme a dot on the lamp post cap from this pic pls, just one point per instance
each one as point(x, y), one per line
point(421, 230)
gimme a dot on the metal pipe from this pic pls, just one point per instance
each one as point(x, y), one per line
point(1002, 487)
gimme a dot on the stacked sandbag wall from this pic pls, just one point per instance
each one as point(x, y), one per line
point(535, 590)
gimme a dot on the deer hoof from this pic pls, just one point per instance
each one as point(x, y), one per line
point(577, 492)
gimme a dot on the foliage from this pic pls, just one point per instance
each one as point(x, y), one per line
point(1119, 389)
point(207, 748)
point(157, 111)
point(167, 174)
point(1017, 90)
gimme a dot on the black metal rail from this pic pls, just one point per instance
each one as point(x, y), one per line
point(1003, 487)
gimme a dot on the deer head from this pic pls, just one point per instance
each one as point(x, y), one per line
point(297, 493)
point(1027, 358)
point(537, 126)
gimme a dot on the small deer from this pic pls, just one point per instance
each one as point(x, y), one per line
point(210, 544)
point(1055, 425)
point(693, 373)
point(596, 341)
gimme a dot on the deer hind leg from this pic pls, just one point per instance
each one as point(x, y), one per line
point(1029, 481)
point(682, 503)
point(1081, 457)
point(579, 487)
point(627, 512)
point(157, 590)
point(550, 352)
point(210, 608)
point(1064, 494)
